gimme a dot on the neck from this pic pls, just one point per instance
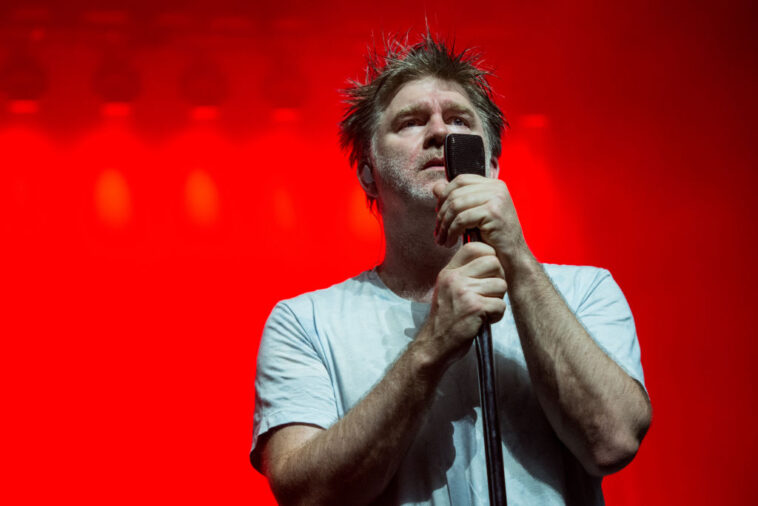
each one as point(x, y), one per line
point(412, 260)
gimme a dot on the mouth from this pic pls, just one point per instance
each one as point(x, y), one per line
point(435, 163)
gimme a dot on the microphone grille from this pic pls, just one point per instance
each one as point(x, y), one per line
point(464, 154)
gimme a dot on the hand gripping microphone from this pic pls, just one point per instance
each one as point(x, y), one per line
point(464, 154)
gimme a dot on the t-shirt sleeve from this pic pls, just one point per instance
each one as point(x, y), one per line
point(607, 317)
point(292, 384)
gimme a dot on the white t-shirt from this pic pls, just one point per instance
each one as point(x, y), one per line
point(322, 351)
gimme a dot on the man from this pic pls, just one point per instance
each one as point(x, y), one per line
point(366, 392)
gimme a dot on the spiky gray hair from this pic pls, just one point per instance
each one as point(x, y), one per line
point(401, 63)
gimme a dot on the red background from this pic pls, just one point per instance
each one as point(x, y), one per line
point(147, 229)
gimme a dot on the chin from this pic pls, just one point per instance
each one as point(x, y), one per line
point(425, 195)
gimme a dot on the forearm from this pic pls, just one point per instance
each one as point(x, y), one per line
point(596, 409)
point(353, 461)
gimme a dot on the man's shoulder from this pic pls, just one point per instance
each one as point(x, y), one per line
point(561, 273)
point(340, 305)
point(575, 282)
point(332, 296)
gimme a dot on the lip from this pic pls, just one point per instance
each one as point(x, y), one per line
point(435, 163)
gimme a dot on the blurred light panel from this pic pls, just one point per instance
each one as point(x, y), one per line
point(116, 109)
point(20, 106)
point(201, 198)
point(284, 209)
point(204, 112)
point(113, 201)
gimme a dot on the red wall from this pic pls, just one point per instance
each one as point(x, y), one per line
point(143, 246)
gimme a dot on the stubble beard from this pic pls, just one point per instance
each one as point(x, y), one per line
point(411, 184)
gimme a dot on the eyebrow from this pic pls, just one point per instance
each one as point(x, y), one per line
point(422, 108)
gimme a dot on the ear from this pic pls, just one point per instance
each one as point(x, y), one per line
point(366, 178)
point(494, 168)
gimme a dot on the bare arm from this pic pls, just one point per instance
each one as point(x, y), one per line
point(353, 461)
point(599, 412)
point(595, 407)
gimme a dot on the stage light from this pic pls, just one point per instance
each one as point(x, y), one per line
point(203, 84)
point(113, 202)
point(24, 81)
point(117, 82)
point(116, 109)
point(201, 198)
point(285, 88)
point(204, 112)
point(23, 106)
point(284, 209)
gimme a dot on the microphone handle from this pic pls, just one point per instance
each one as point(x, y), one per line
point(488, 397)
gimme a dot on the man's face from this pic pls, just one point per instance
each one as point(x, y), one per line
point(408, 146)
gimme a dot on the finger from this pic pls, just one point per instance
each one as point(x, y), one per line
point(482, 191)
point(469, 252)
point(494, 308)
point(464, 198)
point(461, 180)
point(486, 266)
point(470, 218)
point(439, 188)
point(461, 184)
point(490, 287)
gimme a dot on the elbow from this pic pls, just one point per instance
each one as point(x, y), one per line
point(300, 491)
point(285, 490)
point(616, 451)
point(612, 456)
point(288, 496)
point(283, 493)
point(308, 496)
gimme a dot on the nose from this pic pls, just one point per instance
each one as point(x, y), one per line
point(436, 130)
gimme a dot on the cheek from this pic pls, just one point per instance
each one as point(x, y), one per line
point(390, 153)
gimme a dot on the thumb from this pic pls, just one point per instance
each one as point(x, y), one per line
point(439, 189)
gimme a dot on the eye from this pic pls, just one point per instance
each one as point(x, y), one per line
point(458, 121)
point(410, 123)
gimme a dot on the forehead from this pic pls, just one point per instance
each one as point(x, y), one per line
point(428, 92)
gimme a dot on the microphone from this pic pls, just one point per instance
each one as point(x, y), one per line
point(464, 154)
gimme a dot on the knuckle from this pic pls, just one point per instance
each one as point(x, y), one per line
point(492, 262)
point(498, 307)
point(456, 222)
point(471, 247)
point(462, 294)
point(488, 250)
point(446, 277)
point(470, 304)
point(497, 312)
point(501, 286)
